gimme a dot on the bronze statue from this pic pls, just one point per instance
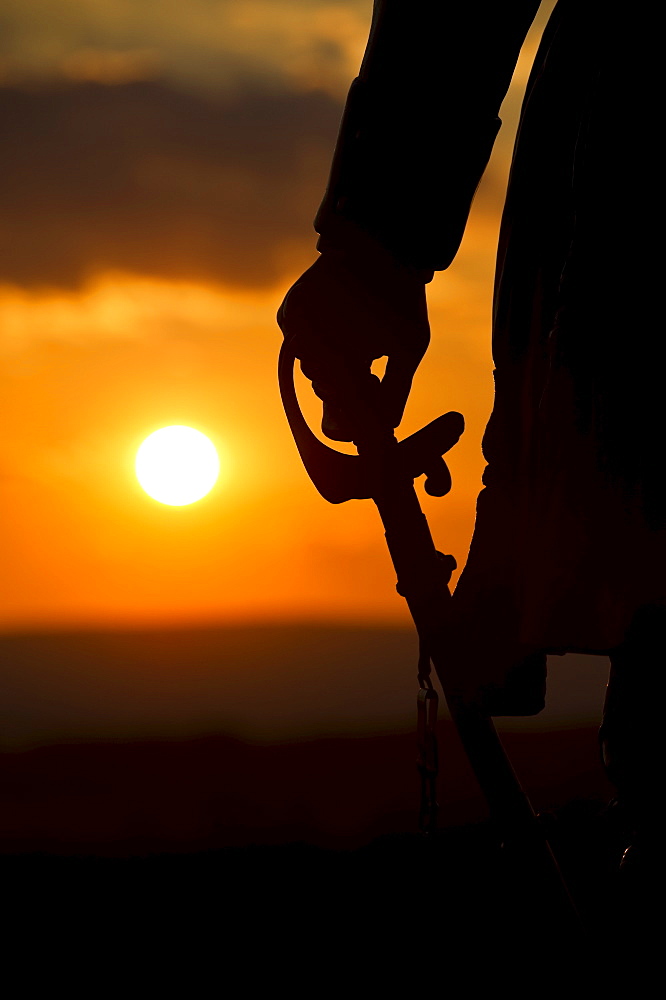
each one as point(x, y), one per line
point(568, 552)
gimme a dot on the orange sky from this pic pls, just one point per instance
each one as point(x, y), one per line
point(165, 162)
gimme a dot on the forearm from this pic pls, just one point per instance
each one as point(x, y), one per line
point(420, 123)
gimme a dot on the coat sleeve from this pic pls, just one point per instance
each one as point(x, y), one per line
point(419, 124)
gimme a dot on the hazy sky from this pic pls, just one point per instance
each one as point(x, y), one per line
point(215, 45)
point(163, 163)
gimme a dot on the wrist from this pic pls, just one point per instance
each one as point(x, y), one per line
point(365, 252)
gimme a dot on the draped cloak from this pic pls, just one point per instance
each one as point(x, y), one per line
point(570, 535)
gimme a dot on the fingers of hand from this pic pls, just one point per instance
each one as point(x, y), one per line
point(352, 393)
point(336, 425)
point(330, 310)
point(397, 382)
point(351, 401)
point(337, 326)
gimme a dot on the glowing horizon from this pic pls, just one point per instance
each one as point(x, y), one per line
point(143, 292)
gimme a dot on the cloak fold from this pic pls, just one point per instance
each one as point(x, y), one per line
point(570, 536)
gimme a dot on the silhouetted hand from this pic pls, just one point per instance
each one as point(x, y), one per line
point(344, 312)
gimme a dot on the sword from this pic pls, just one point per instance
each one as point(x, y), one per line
point(384, 471)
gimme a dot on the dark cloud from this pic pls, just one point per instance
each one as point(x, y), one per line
point(148, 179)
point(209, 44)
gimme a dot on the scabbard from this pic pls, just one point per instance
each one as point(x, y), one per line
point(423, 576)
point(422, 579)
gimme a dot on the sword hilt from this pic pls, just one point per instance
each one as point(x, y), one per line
point(339, 477)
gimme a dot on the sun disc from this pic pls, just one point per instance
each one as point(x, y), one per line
point(177, 465)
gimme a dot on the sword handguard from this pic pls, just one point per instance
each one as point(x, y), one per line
point(339, 477)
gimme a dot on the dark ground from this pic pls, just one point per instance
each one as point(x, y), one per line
point(295, 916)
point(255, 856)
point(290, 863)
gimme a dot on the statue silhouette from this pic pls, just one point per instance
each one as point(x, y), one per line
point(568, 551)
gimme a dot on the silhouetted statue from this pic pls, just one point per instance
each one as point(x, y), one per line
point(568, 552)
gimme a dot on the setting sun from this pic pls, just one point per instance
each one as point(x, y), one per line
point(177, 465)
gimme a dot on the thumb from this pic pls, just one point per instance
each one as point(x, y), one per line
point(397, 383)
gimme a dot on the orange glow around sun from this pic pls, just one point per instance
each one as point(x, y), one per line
point(118, 330)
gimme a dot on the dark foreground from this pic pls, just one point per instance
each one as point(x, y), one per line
point(296, 917)
point(296, 868)
point(233, 811)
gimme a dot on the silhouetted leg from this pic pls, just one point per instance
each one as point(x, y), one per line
point(631, 734)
